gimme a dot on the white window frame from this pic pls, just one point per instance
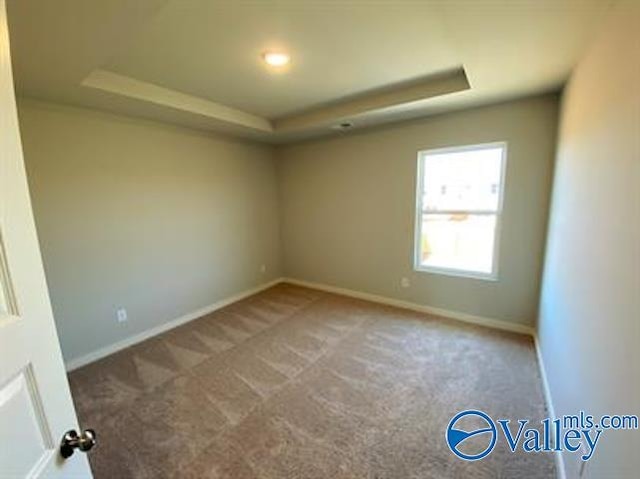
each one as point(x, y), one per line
point(417, 266)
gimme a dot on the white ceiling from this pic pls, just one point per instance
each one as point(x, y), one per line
point(197, 62)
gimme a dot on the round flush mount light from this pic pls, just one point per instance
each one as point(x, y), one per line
point(276, 59)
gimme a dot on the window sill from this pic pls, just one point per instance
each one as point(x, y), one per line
point(457, 273)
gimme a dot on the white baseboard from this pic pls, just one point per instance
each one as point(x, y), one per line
point(80, 361)
point(559, 458)
point(467, 318)
point(131, 340)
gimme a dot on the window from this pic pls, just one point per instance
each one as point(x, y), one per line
point(459, 203)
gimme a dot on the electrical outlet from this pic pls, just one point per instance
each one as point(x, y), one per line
point(405, 283)
point(263, 268)
point(121, 315)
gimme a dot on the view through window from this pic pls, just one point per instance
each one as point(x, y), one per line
point(459, 208)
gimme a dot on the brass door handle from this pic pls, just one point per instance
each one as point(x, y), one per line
point(72, 441)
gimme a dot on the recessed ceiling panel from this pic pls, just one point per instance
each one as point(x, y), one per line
point(213, 49)
point(206, 56)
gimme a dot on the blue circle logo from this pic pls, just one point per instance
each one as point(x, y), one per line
point(457, 437)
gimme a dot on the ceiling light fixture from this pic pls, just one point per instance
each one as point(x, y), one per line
point(276, 59)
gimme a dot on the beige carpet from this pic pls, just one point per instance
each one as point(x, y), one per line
point(296, 383)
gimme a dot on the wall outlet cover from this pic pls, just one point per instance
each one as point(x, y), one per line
point(121, 315)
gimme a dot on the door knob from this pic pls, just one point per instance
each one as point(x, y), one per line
point(72, 441)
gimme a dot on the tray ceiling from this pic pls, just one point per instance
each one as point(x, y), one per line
point(198, 62)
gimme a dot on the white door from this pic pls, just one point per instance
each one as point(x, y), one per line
point(35, 401)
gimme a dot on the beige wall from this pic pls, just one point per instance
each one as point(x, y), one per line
point(590, 308)
point(164, 221)
point(159, 220)
point(348, 207)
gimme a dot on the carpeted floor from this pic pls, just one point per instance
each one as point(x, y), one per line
point(297, 383)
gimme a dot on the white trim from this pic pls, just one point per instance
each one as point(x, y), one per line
point(456, 315)
point(468, 318)
point(459, 273)
point(446, 313)
point(419, 212)
point(559, 458)
point(137, 338)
